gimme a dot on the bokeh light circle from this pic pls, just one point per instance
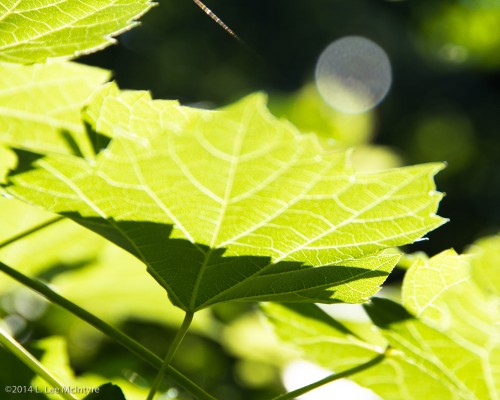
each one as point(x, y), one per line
point(353, 74)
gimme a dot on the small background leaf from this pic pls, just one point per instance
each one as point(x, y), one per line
point(108, 391)
point(55, 358)
point(485, 262)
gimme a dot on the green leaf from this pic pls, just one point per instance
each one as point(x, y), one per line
point(56, 358)
point(424, 362)
point(319, 337)
point(450, 350)
point(485, 264)
point(108, 391)
point(307, 110)
point(7, 161)
point(40, 106)
point(34, 31)
point(443, 294)
point(234, 204)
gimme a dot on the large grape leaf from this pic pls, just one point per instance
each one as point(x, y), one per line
point(40, 106)
point(234, 204)
point(449, 348)
point(31, 31)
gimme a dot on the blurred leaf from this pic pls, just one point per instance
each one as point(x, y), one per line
point(33, 31)
point(248, 338)
point(181, 196)
point(445, 134)
point(309, 112)
point(40, 106)
point(49, 251)
point(464, 32)
point(55, 358)
point(485, 264)
point(319, 337)
point(374, 158)
point(108, 391)
point(407, 260)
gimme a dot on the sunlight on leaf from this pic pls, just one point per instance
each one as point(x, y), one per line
point(485, 264)
point(319, 337)
point(233, 204)
point(451, 341)
point(33, 31)
point(443, 294)
point(40, 106)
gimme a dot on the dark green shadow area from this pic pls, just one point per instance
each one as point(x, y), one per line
point(108, 391)
point(26, 161)
point(311, 311)
point(385, 312)
point(196, 276)
point(17, 377)
point(98, 141)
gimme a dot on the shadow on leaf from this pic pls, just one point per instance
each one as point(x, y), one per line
point(196, 276)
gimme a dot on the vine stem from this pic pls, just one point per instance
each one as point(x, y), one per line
point(32, 363)
point(188, 318)
point(344, 374)
point(108, 330)
point(30, 231)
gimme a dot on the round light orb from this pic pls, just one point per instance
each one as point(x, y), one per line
point(353, 74)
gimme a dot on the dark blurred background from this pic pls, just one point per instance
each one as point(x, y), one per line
point(444, 104)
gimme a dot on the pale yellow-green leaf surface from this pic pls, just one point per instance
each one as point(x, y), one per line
point(233, 204)
point(40, 106)
point(447, 348)
point(443, 293)
point(32, 31)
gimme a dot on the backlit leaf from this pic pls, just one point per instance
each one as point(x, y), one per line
point(444, 295)
point(448, 347)
point(40, 106)
point(32, 31)
point(234, 204)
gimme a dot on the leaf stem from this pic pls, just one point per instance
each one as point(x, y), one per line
point(30, 231)
point(32, 363)
point(110, 331)
point(292, 395)
point(188, 318)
